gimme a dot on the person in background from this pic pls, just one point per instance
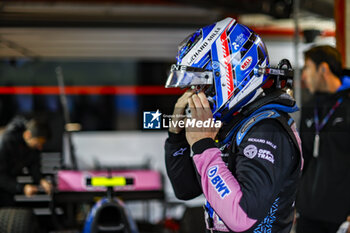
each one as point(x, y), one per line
point(20, 148)
point(323, 201)
point(249, 168)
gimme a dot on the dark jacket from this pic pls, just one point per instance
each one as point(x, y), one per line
point(14, 156)
point(252, 187)
point(324, 193)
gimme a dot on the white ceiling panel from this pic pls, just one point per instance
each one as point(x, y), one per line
point(91, 42)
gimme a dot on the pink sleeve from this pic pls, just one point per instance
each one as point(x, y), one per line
point(222, 190)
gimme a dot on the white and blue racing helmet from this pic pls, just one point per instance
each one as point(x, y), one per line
point(221, 59)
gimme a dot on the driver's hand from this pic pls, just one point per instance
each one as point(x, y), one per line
point(200, 111)
point(29, 190)
point(47, 186)
point(179, 110)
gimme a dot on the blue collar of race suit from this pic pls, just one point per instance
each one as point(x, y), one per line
point(278, 101)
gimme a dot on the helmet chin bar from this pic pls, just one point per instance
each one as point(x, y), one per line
point(283, 72)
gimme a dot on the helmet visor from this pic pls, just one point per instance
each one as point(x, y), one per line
point(185, 76)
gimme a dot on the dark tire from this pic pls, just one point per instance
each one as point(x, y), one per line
point(17, 220)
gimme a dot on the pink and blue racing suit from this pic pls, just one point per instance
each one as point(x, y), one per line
point(250, 182)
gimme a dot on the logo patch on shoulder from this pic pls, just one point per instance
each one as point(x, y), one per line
point(250, 151)
point(267, 155)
